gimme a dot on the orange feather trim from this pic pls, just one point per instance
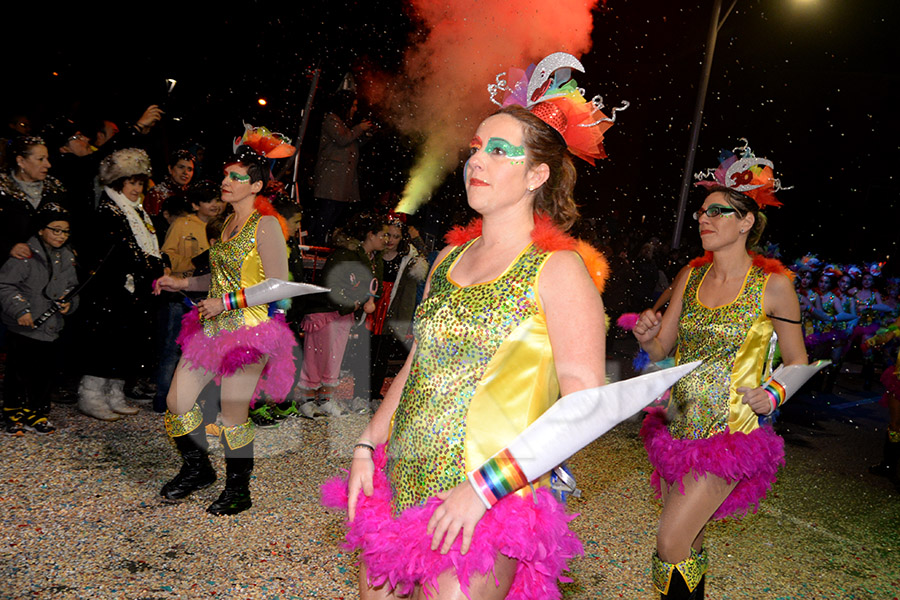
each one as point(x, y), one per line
point(548, 238)
point(768, 265)
point(264, 207)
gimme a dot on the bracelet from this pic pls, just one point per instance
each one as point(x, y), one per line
point(777, 393)
point(500, 476)
point(365, 445)
point(235, 300)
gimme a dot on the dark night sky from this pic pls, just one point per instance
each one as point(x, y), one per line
point(813, 87)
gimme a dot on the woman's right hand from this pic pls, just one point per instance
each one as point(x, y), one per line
point(167, 283)
point(362, 471)
point(647, 326)
point(20, 251)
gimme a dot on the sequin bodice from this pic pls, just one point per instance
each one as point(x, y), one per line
point(865, 310)
point(462, 335)
point(235, 264)
point(733, 342)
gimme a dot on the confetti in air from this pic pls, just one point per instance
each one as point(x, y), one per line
point(441, 95)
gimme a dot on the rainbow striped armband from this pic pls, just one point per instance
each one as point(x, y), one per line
point(500, 476)
point(235, 300)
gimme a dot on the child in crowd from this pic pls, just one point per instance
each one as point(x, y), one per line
point(31, 295)
point(268, 414)
point(185, 240)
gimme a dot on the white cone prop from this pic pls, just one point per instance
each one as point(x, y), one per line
point(785, 381)
point(273, 290)
point(578, 419)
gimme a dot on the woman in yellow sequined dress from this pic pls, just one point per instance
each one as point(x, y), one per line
point(241, 346)
point(511, 320)
point(711, 457)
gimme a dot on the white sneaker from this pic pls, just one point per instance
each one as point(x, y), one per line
point(333, 408)
point(311, 410)
point(360, 405)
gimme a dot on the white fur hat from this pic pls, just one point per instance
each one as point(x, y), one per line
point(127, 162)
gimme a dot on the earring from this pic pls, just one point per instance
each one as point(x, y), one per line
point(530, 188)
point(742, 231)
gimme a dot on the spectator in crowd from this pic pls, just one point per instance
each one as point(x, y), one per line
point(25, 188)
point(185, 240)
point(118, 305)
point(181, 172)
point(336, 184)
point(33, 300)
point(353, 274)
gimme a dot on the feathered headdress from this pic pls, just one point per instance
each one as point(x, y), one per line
point(807, 263)
point(549, 92)
point(742, 171)
point(874, 269)
point(264, 142)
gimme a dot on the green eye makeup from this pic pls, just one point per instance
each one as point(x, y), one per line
point(501, 146)
point(238, 177)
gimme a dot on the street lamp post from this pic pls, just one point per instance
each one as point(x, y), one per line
point(714, 25)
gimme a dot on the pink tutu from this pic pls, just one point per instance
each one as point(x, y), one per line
point(229, 351)
point(750, 459)
point(397, 550)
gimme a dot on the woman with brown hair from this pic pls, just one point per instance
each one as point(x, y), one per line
point(712, 458)
point(512, 319)
point(232, 338)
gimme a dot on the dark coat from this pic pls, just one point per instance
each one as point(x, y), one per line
point(335, 174)
point(31, 285)
point(118, 305)
point(18, 218)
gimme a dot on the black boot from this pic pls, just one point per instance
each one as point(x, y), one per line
point(888, 465)
point(196, 471)
point(235, 498)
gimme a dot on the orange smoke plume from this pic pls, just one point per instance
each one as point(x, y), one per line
point(461, 46)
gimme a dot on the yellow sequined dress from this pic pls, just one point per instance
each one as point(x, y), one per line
point(232, 339)
point(707, 429)
point(483, 371)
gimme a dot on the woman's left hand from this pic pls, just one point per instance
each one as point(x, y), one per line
point(461, 510)
point(211, 307)
point(757, 399)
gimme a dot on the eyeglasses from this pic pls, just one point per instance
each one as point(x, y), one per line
point(59, 231)
point(714, 211)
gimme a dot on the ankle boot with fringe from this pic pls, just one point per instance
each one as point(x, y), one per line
point(189, 436)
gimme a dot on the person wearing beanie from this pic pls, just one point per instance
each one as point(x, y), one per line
point(34, 296)
point(119, 307)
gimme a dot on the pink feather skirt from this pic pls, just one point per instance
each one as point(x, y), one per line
point(397, 550)
point(750, 459)
point(230, 351)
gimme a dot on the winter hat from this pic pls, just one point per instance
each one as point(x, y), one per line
point(51, 212)
point(127, 162)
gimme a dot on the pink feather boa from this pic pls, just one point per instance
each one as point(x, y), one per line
point(230, 351)
point(750, 459)
point(397, 550)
